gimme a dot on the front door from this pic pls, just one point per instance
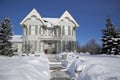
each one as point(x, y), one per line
point(51, 48)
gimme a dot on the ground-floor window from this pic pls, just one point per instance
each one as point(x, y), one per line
point(41, 46)
point(33, 45)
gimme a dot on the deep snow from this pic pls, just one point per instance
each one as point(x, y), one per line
point(91, 67)
point(81, 66)
point(24, 68)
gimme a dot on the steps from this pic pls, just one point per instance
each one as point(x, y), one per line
point(57, 70)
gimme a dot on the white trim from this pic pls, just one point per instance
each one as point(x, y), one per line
point(33, 12)
point(67, 14)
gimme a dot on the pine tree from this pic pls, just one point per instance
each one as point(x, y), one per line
point(5, 37)
point(110, 38)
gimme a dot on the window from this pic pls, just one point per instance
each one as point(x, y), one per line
point(66, 30)
point(33, 45)
point(41, 46)
point(33, 30)
point(66, 19)
point(39, 30)
point(15, 47)
point(73, 31)
point(50, 31)
point(33, 17)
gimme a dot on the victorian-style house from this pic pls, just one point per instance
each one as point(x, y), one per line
point(47, 34)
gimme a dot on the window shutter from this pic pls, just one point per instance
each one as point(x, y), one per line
point(63, 30)
point(39, 46)
point(72, 31)
point(68, 30)
point(26, 31)
point(35, 45)
point(30, 30)
point(40, 30)
point(36, 28)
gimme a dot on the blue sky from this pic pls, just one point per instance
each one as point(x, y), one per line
point(90, 14)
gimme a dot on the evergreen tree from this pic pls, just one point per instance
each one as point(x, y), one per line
point(110, 38)
point(5, 37)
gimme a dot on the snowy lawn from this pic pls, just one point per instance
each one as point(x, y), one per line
point(24, 68)
point(91, 67)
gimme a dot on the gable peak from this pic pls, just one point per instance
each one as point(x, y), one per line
point(32, 12)
point(66, 13)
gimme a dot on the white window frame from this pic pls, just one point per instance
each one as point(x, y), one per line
point(33, 29)
point(66, 30)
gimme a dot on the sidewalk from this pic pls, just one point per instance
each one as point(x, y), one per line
point(56, 69)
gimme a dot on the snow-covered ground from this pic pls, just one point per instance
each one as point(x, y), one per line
point(91, 67)
point(25, 68)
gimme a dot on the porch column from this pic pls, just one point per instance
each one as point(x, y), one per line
point(38, 30)
point(26, 30)
point(61, 46)
point(57, 46)
point(71, 45)
point(47, 32)
point(37, 46)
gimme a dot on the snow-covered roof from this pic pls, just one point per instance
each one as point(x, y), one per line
point(50, 21)
point(17, 38)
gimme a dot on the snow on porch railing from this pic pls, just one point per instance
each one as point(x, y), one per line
point(49, 36)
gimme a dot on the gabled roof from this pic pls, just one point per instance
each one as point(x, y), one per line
point(67, 14)
point(33, 12)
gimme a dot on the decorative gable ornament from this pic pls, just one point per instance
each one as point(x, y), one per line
point(33, 15)
point(67, 17)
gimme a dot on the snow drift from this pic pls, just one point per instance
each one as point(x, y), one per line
point(25, 68)
point(91, 67)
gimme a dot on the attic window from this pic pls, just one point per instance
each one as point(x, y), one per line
point(33, 17)
point(66, 19)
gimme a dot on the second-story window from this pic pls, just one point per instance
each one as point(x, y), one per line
point(50, 32)
point(33, 29)
point(66, 30)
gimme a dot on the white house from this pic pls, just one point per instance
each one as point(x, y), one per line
point(48, 34)
point(17, 43)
